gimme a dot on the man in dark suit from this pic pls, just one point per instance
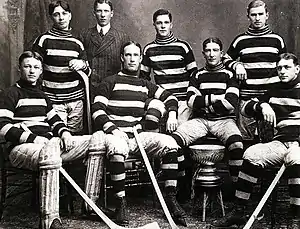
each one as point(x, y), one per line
point(103, 43)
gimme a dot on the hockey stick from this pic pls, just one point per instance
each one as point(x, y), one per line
point(85, 79)
point(106, 220)
point(100, 213)
point(264, 198)
point(154, 181)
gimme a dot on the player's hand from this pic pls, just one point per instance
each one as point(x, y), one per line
point(120, 134)
point(76, 64)
point(40, 140)
point(172, 122)
point(67, 140)
point(268, 114)
point(240, 72)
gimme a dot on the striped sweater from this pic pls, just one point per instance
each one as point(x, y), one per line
point(121, 102)
point(208, 82)
point(172, 61)
point(285, 101)
point(258, 50)
point(58, 47)
point(25, 105)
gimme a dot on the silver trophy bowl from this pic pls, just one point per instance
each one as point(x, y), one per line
point(206, 156)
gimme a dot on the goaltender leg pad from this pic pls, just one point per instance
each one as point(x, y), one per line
point(49, 164)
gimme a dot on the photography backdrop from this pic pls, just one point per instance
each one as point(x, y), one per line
point(194, 21)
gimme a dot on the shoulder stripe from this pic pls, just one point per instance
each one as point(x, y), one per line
point(101, 99)
point(285, 101)
point(130, 87)
point(213, 85)
point(31, 102)
point(173, 71)
point(177, 43)
point(259, 65)
point(264, 81)
point(259, 49)
point(56, 69)
point(165, 57)
point(63, 85)
point(6, 113)
point(122, 103)
point(244, 37)
point(51, 37)
point(61, 52)
point(175, 85)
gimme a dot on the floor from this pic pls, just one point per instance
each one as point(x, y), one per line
point(21, 215)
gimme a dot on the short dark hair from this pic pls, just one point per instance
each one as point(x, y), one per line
point(28, 54)
point(212, 40)
point(289, 56)
point(161, 12)
point(55, 4)
point(256, 3)
point(130, 43)
point(103, 1)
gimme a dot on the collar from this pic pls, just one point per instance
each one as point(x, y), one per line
point(258, 32)
point(105, 29)
point(165, 40)
point(291, 84)
point(125, 72)
point(217, 67)
point(61, 33)
point(25, 84)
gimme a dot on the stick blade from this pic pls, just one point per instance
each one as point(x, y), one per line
point(153, 225)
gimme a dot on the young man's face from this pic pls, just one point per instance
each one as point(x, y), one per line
point(212, 53)
point(61, 18)
point(131, 58)
point(287, 70)
point(163, 25)
point(30, 70)
point(103, 14)
point(258, 17)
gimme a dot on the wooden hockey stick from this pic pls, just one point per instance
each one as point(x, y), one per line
point(85, 79)
point(97, 210)
point(154, 181)
point(106, 220)
point(264, 198)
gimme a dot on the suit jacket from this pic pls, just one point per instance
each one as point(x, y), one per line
point(103, 53)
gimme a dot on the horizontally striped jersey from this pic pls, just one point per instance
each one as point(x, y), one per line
point(58, 47)
point(121, 102)
point(172, 61)
point(285, 101)
point(26, 112)
point(258, 50)
point(207, 83)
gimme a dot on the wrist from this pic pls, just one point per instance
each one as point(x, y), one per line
point(172, 114)
point(115, 131)
point(236, 65)
point(263, 105)
point(66, 134)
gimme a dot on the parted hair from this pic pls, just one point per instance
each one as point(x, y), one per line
point(212, 40)
point(289, 56)
point(161, 12)
point(130, 43)
point(28, 54)
point(256, 3)
point(55, 4)
point(103, 1)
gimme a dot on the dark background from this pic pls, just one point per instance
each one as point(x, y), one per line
point(21, 21)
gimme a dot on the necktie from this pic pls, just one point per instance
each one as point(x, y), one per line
point(101, 33)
